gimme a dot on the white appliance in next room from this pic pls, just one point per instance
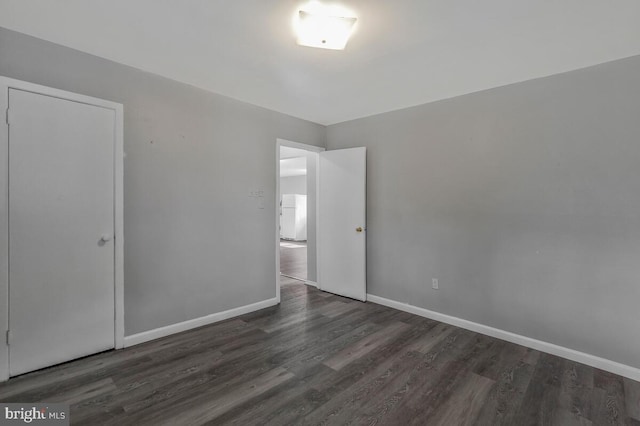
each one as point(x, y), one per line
point(293, 217)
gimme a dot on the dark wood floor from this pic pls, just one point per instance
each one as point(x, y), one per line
point(293, 259)
point(323, 359)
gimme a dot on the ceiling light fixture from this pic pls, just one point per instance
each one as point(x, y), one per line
point(323, 26)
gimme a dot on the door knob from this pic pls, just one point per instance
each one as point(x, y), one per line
point(105, 238)
point(359, 229)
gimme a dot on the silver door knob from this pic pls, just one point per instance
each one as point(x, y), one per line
point(105, 238)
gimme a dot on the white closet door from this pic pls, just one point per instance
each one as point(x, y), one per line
point(342, 215)
point(61, 228)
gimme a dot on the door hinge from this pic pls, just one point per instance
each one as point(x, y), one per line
point(9, 337)
point(8, 117)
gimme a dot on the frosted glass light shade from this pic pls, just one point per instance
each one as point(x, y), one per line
point(325, 32)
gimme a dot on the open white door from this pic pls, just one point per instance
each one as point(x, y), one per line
point(342, 218)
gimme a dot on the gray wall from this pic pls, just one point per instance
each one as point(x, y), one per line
point(523, 200)
point(293, 185)
point(195, 242)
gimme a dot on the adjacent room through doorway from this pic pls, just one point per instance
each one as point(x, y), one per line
point(293, 213)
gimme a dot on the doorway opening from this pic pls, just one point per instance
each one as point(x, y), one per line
point(293, 213)
point(297, 167)
point(336, 205)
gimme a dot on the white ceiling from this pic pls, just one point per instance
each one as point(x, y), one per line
point(293, 161)
point(403, 53)
point(288, 152)
point(293, 167)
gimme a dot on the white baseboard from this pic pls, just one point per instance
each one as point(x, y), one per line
point(145, 336)
point(573, 355)
point(311, 283)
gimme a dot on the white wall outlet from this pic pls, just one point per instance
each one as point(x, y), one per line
point(434, 283)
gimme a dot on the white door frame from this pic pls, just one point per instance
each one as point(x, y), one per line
point(5, 85)
point(310, 148)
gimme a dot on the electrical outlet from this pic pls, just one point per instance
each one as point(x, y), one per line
point(434, 283)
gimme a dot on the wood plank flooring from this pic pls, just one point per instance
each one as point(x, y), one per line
point(293, 259)
point(322, 359)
